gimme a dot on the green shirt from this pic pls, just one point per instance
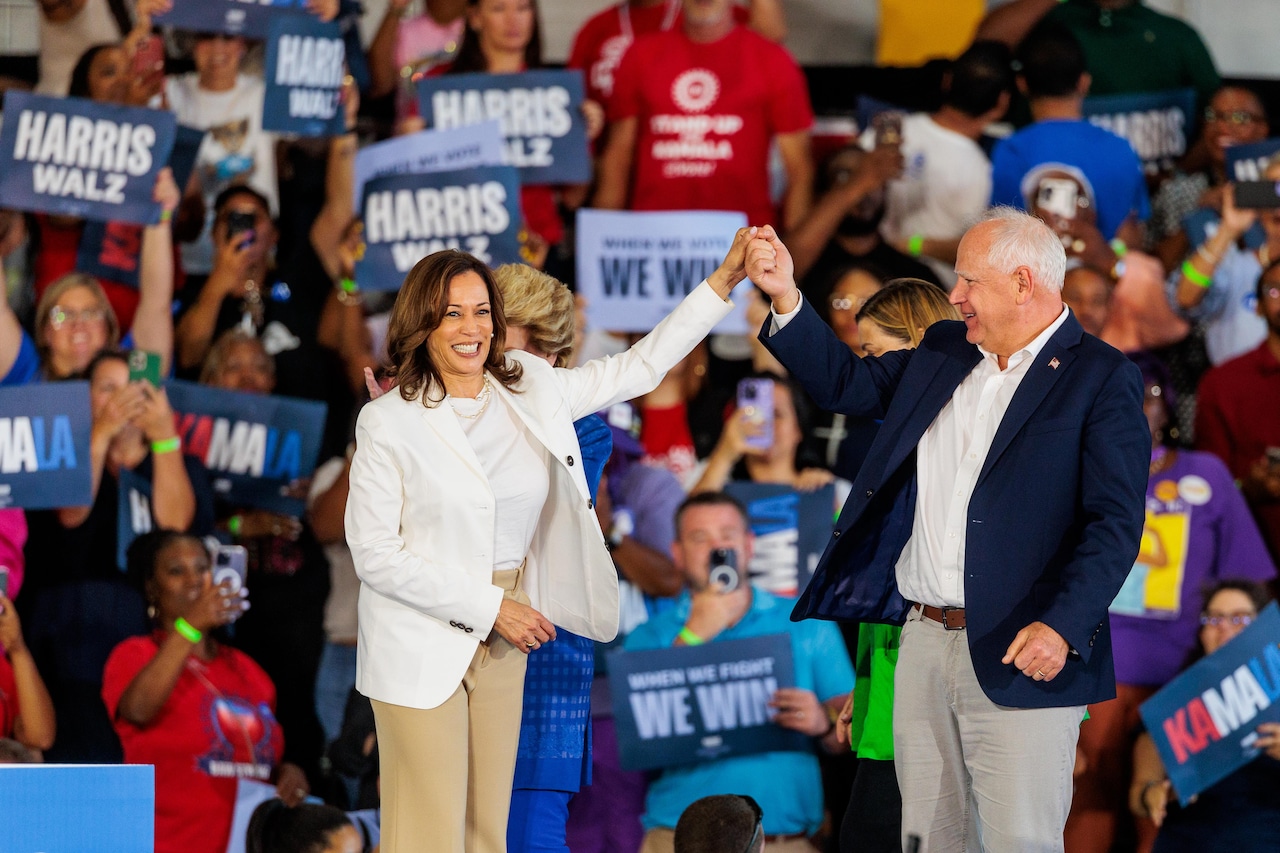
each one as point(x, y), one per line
point(873, 667)
point(1136, 49)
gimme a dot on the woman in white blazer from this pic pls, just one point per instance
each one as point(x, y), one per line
point(472, 531)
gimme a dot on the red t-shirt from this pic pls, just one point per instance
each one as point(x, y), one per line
point(8, 696)
point(604, 38)
point(218, 725)
point(707, 113)
point(667, 440)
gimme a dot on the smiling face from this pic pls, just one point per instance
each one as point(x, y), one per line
point(181, 571)
point(246, 367)
point(987, 298)
point(1234, 117)
point(459, 346)
point(75, 331)
point(1225, 606)
point(217, 58)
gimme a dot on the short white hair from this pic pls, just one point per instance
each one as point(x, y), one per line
point(1019, 239)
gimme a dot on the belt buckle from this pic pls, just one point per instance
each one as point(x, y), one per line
point(946, 618)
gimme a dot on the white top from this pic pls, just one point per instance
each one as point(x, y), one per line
point(61, 45)
point(949, 458)
point(236, 150)
point(944, 188)
point(518, 468)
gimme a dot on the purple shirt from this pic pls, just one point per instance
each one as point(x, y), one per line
point(1198, 530)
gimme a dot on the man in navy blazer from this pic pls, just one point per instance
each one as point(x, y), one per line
point(998, 512)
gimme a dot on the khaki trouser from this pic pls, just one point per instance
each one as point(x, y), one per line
point(447, 771)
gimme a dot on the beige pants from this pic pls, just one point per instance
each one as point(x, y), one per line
point(447, 771)
point(659, 840)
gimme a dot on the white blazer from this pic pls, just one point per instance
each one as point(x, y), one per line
point(420, 516)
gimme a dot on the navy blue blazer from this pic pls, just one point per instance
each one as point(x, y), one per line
point(1055, 518)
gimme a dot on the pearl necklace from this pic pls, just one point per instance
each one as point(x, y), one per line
point(483, 397)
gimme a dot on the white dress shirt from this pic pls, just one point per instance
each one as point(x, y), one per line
point(949, 458)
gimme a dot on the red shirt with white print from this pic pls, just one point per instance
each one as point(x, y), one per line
point(706, 115)
point(604, 38)
point(217, 726)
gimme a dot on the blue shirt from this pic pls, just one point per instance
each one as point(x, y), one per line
point(26, 366)
point(1107, 160)
point(787, 785)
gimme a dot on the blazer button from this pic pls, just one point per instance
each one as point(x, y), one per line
point(835, 533)
point(453, 624)
point(591, 504)
point(569, 459)
point(468, 629)
point(870, 492)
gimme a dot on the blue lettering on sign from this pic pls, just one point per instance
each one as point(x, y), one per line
point(24, 448)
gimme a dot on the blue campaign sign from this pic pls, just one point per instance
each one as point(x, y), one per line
point(429, 151)
point(688, 704)
point(304, 70)
point(407, 217)
point(254, 446)
point(76, 157)
point(1158, 125)
point(249, 18)
point(791, 531)
point(1248, 162)
point(186, 147)
point(44, 446)
point(540, 113)
point(71, 808)
point(1204, 721)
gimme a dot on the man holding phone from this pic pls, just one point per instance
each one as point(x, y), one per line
point(713, 546)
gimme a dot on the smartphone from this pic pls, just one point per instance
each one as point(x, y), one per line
point(888, 128)
point(1258, 195)
point(148, 58)
point(238, 222)
point(144, 366)
point(1273, 457)
point(1058, 196)
point(231, 567)
point(724, 569)
point(4, 581)
point(755, 398)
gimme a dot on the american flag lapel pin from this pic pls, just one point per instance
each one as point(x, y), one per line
point(1053, 362)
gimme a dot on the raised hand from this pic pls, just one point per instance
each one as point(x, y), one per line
point(769, 265)
point(732, 269)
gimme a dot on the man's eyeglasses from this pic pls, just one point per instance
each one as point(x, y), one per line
point(59, 316)
point(1236, 117)
point(847, 303)
point(1239, 620)
point(759, 813)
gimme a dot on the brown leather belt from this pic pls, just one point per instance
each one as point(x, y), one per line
point(952, 618)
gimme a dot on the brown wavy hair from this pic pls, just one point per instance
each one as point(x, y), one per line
point(906, 307)
point(419, 310)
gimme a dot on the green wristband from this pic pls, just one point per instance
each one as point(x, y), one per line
point(915, 245)
point(187, 630)
point(1119, 247)
point(690, 638)
point(1196, 277)
point(234, 523)
point(168, 445)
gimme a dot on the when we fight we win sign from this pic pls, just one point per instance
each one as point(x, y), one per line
point(76, 157)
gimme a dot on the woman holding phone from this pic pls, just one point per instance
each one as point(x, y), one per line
point(473, 533)
point(199, 710)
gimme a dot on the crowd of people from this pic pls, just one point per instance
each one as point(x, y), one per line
point(127, 651)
